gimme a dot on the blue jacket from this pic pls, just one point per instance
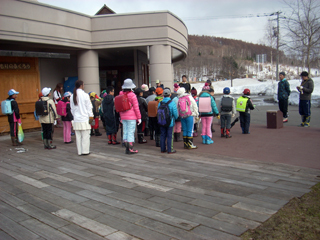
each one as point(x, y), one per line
point(214, 108)
point(283, 89)
point(173, 110)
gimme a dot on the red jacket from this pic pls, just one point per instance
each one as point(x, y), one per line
point(134, 112)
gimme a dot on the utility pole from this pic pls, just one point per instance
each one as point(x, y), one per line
point(278, 34)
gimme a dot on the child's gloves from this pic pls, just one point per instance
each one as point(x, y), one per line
point(55, 122)
point(19, 120)
point(139, 121)
point(218, 116)
point(233, 115)
point(90, 120)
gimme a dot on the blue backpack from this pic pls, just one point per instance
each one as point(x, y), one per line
point(6, 107)
point(163, 114)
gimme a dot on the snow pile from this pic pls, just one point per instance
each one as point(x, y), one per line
point(267, 88)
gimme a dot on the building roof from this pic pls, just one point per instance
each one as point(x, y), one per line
point(105, 10)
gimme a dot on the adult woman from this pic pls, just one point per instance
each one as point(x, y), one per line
point(81, 109)
point(57, 96)
point(130, 117)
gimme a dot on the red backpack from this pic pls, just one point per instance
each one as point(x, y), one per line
point(121, 103)
point(62, 108)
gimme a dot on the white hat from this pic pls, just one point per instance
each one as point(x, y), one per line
point(45, 91)
point(144, 87)
point(12, 92)
point(181, 91)
point(128, 84)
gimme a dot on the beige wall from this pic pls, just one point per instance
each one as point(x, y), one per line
point(36, 22)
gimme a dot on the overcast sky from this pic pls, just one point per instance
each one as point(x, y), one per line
point(220, 18)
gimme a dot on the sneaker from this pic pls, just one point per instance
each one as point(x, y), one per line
point(285, 120)
point(172, 152)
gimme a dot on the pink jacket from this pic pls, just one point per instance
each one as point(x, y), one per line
point(134, 112)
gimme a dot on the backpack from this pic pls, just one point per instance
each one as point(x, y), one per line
point(42, 108)
point(226, 104)
point(152, 108)
point(62, 108)
point(6, 107)
point(121, 103)
point(163, 117)
point(205, 105)
point(184, 107)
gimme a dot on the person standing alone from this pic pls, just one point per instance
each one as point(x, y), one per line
point(283, 95)
point(305, 89)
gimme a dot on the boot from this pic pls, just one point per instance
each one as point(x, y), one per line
point(185, 143)
point(212, 129)
point(109, 139)
point(151, 135)
point(179, 137)
point(146, 132)
point(175, 137)
point(126, 144)
point(228, 133)
point(204, 139)
point(303, 120)
point(190, 143)
point(97, 133)
point(131, 150)
point(222, 133)
point(92, 132)
point(114, 139)
point(195, 134)
point(141, 139)
point(209, 140)
point(307, 122)
point(17, 141)
point(45, 143)
point(157, 140)
point(14, 142)
point(50, 146)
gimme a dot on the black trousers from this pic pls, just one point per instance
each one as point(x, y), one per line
point(283, 106)
point(245, 122)
point(153, 125)
point(13, 129)
point(47, 130)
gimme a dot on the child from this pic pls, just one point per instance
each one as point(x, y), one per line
point(95, 109)
point(14, 118)
point(207, 107)
point(227, 110)
point(152, 113)
point(177, 125)
point(194, 94)
point(188, 109)
point(143, 110)
point(130, 117)
point(244, 105)
point(110, 116)
point(166, 131)
point(67, 119)
point(47, 121)
point(56, 98)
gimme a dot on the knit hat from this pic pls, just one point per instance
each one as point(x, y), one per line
point(159, 91)
point(144, 87)
point(67, 94)
point(206, 88)
point(176, 87)
point(166, 92)
point(181, 91)
point(45, 91)
point(12, 91)
point(128, 84)
point(194, 92)
point(209, 82)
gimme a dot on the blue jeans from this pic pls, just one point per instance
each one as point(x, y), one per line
point(187, 126)
point(166, 134)
point(129, 128)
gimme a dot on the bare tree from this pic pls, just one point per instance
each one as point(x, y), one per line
point(303, 27)
point(270, 36)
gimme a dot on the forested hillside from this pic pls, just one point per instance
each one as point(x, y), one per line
point(216, 57)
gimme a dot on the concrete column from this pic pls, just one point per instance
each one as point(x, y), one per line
point(160, 65)
point(88, 70)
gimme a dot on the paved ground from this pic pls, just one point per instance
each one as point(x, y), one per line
point(214, 192)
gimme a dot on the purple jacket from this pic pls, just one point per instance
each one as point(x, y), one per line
point(134, 112)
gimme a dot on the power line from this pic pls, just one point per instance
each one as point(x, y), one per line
point(230, 16)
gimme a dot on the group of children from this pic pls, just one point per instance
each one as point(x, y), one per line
point(164, 113)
